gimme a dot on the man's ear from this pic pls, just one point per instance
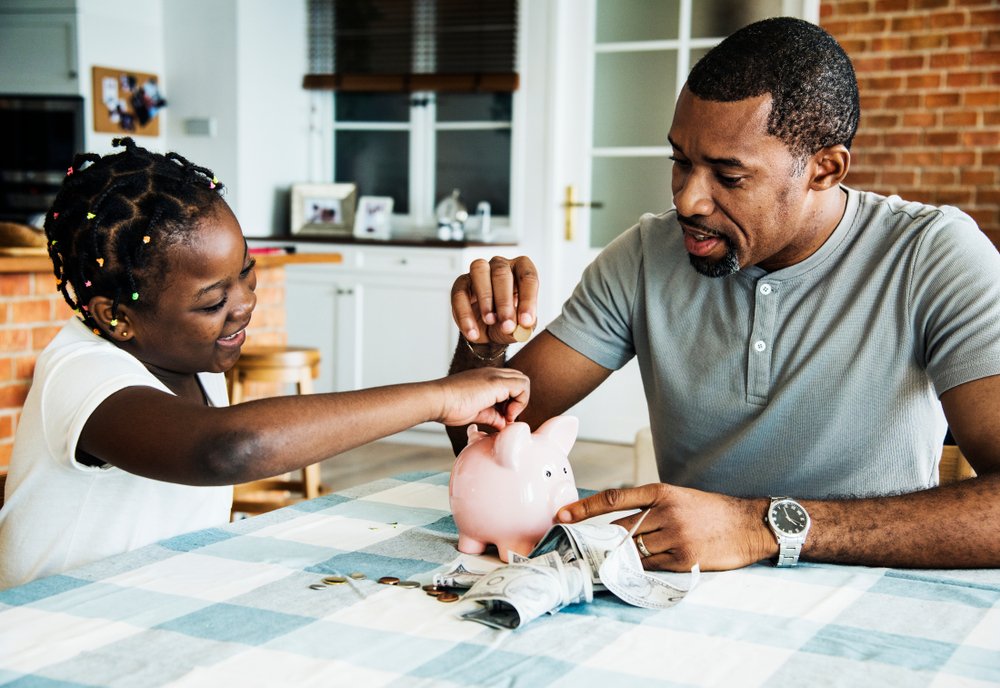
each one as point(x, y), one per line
point(829, 167)
point(116, 325)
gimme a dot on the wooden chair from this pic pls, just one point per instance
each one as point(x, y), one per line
point(953, 466)
point(278, 366)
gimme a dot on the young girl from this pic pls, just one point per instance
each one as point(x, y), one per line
point(126, 436)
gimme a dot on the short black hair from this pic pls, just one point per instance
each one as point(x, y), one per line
point(811, 81)
point(115, 216)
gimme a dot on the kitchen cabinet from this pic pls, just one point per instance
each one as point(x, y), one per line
point(38, 52)
point(381, 317)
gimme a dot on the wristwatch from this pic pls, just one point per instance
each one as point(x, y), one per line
point(790, 523)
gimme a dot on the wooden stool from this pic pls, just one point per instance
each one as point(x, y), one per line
point(277, 365)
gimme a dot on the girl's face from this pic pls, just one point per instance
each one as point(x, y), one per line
point(199, 321)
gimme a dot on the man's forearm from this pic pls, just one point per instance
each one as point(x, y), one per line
point(954, 526)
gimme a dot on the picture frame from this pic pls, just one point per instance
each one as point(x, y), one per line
point(323, 209)
point(373, 219)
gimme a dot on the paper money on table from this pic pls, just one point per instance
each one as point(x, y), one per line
point(569, 563)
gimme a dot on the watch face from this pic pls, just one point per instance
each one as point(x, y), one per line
point(788, 517)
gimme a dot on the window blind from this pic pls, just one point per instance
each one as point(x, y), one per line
point(412, 45)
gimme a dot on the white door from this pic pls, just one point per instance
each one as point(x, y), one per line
point(615, 68)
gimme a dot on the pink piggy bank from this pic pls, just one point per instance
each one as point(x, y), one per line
point(506, 488)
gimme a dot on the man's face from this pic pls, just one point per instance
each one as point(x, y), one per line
point(741, 198)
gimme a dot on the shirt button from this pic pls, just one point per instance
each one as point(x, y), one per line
point(759, 345)
point(765, 289)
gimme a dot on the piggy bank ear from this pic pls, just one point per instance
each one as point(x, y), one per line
point(511, 443)
point(474, 435)
point(561, 430)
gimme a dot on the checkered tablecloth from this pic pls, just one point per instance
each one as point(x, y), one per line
point(233, 606)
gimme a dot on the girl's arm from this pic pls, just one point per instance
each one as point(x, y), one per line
point(157, 435)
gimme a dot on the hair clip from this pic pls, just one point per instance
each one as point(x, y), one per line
point(85, 307)
point(145, 239)
point(100, 262)
point(212, 183)
point(97, 332)
point(58, 282)
point(135, 296)
point(114, 322)
point(69, 171)
point(91, 216)
point(87, 283)
point(55, 215)
point(54, 242)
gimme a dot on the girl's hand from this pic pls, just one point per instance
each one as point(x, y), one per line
point(485, 396)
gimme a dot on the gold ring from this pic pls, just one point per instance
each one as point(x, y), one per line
point(642, 547)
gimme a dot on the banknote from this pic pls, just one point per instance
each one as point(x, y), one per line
point(568, 565)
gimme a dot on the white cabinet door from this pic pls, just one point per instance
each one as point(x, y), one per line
point(38, 53)
point(312, 304)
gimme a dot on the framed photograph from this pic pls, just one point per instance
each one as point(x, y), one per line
point(323, 209)
point(374, 217)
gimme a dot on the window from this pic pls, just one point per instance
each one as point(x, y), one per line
point(429, 113)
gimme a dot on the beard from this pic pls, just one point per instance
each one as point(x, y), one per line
point(729, 264)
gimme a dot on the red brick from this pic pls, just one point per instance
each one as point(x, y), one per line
point(24, 367)
point(985, 17)
point(14, 285)
point(891, 5)
point(904, 101)
point(947, 20)
point(930, 4)
point(925, 41)
point(938, 177)
point(909, 23)
point(991, 157)
point(860, 178)
point(870, 63)
point(919, 158)
point(959, 118)
point(956, 197)
point(41, 336)
point(6, 369)
point(861, 7)
point(898, 177)
point(965, 39)
point(907, 62)
point(985, 58)
point(964, 79)
point(982, 98)
point(981, 138)
point(949, 60)
point(992, 38)
point(991, 196)
point(5, 450)
point(917, 82)
point(874, 24)
point(938, 100)
point(919, 119)
point(6, 426)
point(991, 118)
point(888, 44)
point(34, 311)
point(881, 158)
point(958, 158)
point(852, 45)
point(939, 139)
point(12, 395)
point(881, 83)
point(903, 139)
point(15, 340)
point(978, 177)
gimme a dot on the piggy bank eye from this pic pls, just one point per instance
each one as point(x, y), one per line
point(565, 470)
point(548, 474)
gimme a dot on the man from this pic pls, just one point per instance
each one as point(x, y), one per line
point(796, 338)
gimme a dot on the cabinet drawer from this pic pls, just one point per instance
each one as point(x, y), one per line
point(411, 261)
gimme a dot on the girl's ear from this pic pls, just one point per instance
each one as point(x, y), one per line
point(829, 167)
point(117, 326)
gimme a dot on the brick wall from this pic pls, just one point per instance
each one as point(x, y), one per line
point(929, 74)
point(32, 311)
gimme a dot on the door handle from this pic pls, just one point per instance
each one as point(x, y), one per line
point(571, 202)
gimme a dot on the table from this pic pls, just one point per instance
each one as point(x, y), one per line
point(233, 606)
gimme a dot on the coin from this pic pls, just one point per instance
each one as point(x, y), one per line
point(408, 584)
point(447, 597)
point(334, 580)
point(388, 580)
point(434, 590)
point(317, 586)
point(357, 575)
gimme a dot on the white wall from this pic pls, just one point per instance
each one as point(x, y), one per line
point(129, 35)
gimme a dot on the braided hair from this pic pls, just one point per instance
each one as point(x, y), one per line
point(113, 220)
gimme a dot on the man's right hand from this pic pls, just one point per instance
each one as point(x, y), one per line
point(493, 298)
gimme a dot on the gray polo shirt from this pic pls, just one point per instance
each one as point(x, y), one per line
point(820, 379)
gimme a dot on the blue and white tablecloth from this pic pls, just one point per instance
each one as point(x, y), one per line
point(233, 606)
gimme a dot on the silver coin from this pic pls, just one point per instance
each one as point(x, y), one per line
point(408, 584)
point(317, 586)
point(357, 575)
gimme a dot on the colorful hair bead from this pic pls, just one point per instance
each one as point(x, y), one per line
point(100, 262)
point(135, 296)
point(97, 332)
point(85, 307)
point(87, 284)
point(69, 171)
point(114, 322)
point(212, 183)
point(54, 242)
point(145, 239)
point(55, 216)
point(91, 216)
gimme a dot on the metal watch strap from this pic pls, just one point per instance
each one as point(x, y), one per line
point(788, 553)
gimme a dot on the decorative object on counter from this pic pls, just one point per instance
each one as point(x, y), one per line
point(451, 216)
point(506, 488)
point(323, 209)
point(126, 101)
point(18, 239)
point(483, 220)
point(374, 217)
